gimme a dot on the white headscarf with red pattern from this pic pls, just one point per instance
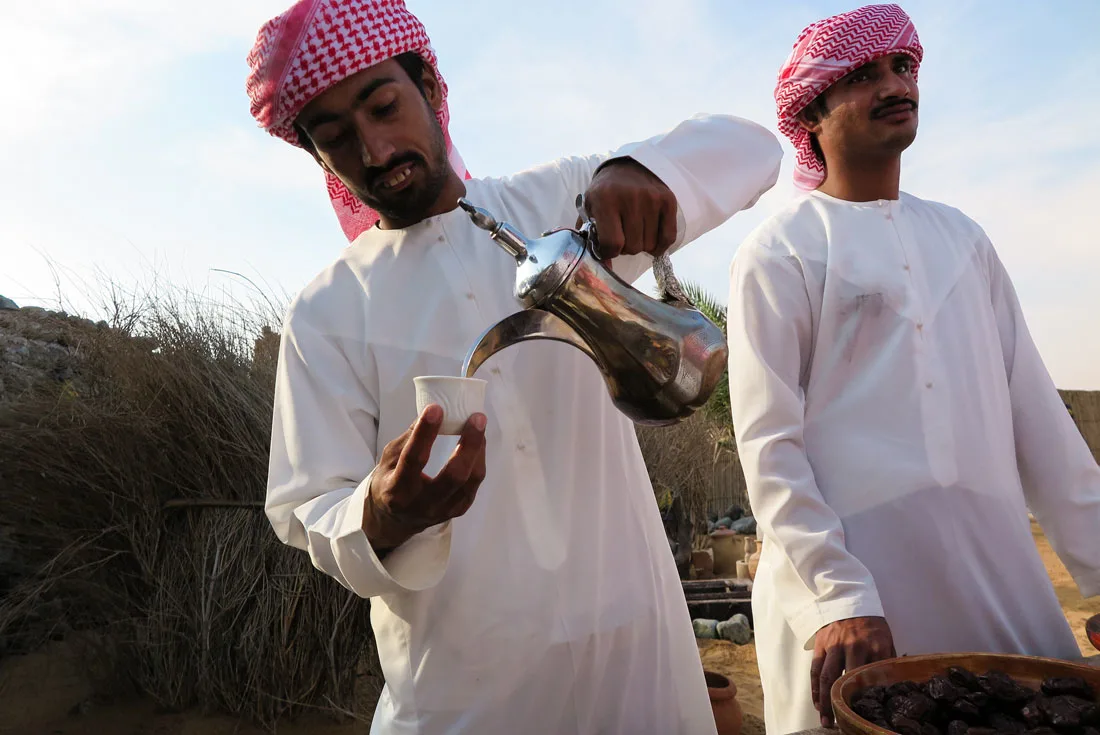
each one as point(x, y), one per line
point(318, 43)
point(824, 53)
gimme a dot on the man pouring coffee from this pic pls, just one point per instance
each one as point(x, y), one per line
point(519, 572)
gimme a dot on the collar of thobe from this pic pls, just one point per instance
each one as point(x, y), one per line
point(873, 204)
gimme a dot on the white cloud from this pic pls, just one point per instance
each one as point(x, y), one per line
point(80, 64)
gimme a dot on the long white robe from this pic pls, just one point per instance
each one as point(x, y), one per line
point(553, 606)
point(895, 422)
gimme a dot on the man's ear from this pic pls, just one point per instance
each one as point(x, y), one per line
point(432, 91)
point(809, 121)
point(320, 161)
point(306, 143)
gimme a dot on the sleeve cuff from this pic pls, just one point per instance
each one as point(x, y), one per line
point(815, 617)
point(670, 174)
point(416, 565)
point(631, 267)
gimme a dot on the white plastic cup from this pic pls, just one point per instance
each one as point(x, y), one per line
point(460, 398)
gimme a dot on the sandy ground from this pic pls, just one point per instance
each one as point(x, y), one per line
point(46, 695)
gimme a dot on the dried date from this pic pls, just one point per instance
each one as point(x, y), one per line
point(875, 694)
point(1003, 723)
point(917, 706)
point(942, 690)
point(966, 709)
point(869, 709)
point(958, 727)
point(905, 725)
point(1073, 686)
point(1003, 688)
point(966, 679)
point(1067, 711)
point(1032, 712)
point(964, 703)
point(901, 688)
point(978, 699)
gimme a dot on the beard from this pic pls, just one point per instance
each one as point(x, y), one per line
point(415, 201)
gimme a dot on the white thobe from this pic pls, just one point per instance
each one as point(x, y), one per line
point(553, 605)
point(895, 421)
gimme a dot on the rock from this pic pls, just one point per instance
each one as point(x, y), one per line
point(705, 628)
point(8, 304)
point(734, 512)
point(735, 630)
point(744, 525)
point(37, 348)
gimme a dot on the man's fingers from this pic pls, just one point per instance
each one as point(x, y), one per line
point(418, 446)
point(667, 235)
point(634, 229)
point(830, 672)
point(462, 500)
point(857, 654)
point(392, 451)
point(815, 677)
point(465, 458)
point(477, 476)
point(609, 230)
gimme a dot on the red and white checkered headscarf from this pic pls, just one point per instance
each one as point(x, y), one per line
point(824, 53)
point(319, 43)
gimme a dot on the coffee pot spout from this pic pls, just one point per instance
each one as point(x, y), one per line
point(503, 234)
point(522, 326)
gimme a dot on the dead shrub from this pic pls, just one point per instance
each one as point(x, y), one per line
point(680, 460)
point(133, 496)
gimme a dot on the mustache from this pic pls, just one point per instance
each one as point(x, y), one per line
point(374, 173)
point(893, 105)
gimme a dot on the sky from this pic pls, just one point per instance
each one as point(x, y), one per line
point(128, 155)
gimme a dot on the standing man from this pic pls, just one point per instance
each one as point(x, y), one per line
point(893, 416)
point(520, 577)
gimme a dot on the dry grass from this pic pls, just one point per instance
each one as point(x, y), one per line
point(105, 481)
point(1084, 406)
point(681, 461)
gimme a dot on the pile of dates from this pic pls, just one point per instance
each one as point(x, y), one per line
point(964, 703)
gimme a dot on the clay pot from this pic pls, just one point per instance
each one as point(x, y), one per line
point(724, 704)
point(726, 547)
point(754, 560)
point(703, 561)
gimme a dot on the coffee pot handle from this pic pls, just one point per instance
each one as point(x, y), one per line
point(668, 286)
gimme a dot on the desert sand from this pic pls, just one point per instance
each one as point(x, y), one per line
point(46, 695)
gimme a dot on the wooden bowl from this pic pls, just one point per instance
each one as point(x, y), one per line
point(1028, 670)
point(1092, 630)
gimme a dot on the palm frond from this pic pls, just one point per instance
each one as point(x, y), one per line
point(705, 302)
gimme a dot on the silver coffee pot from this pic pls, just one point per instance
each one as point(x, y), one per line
point(660, 358)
